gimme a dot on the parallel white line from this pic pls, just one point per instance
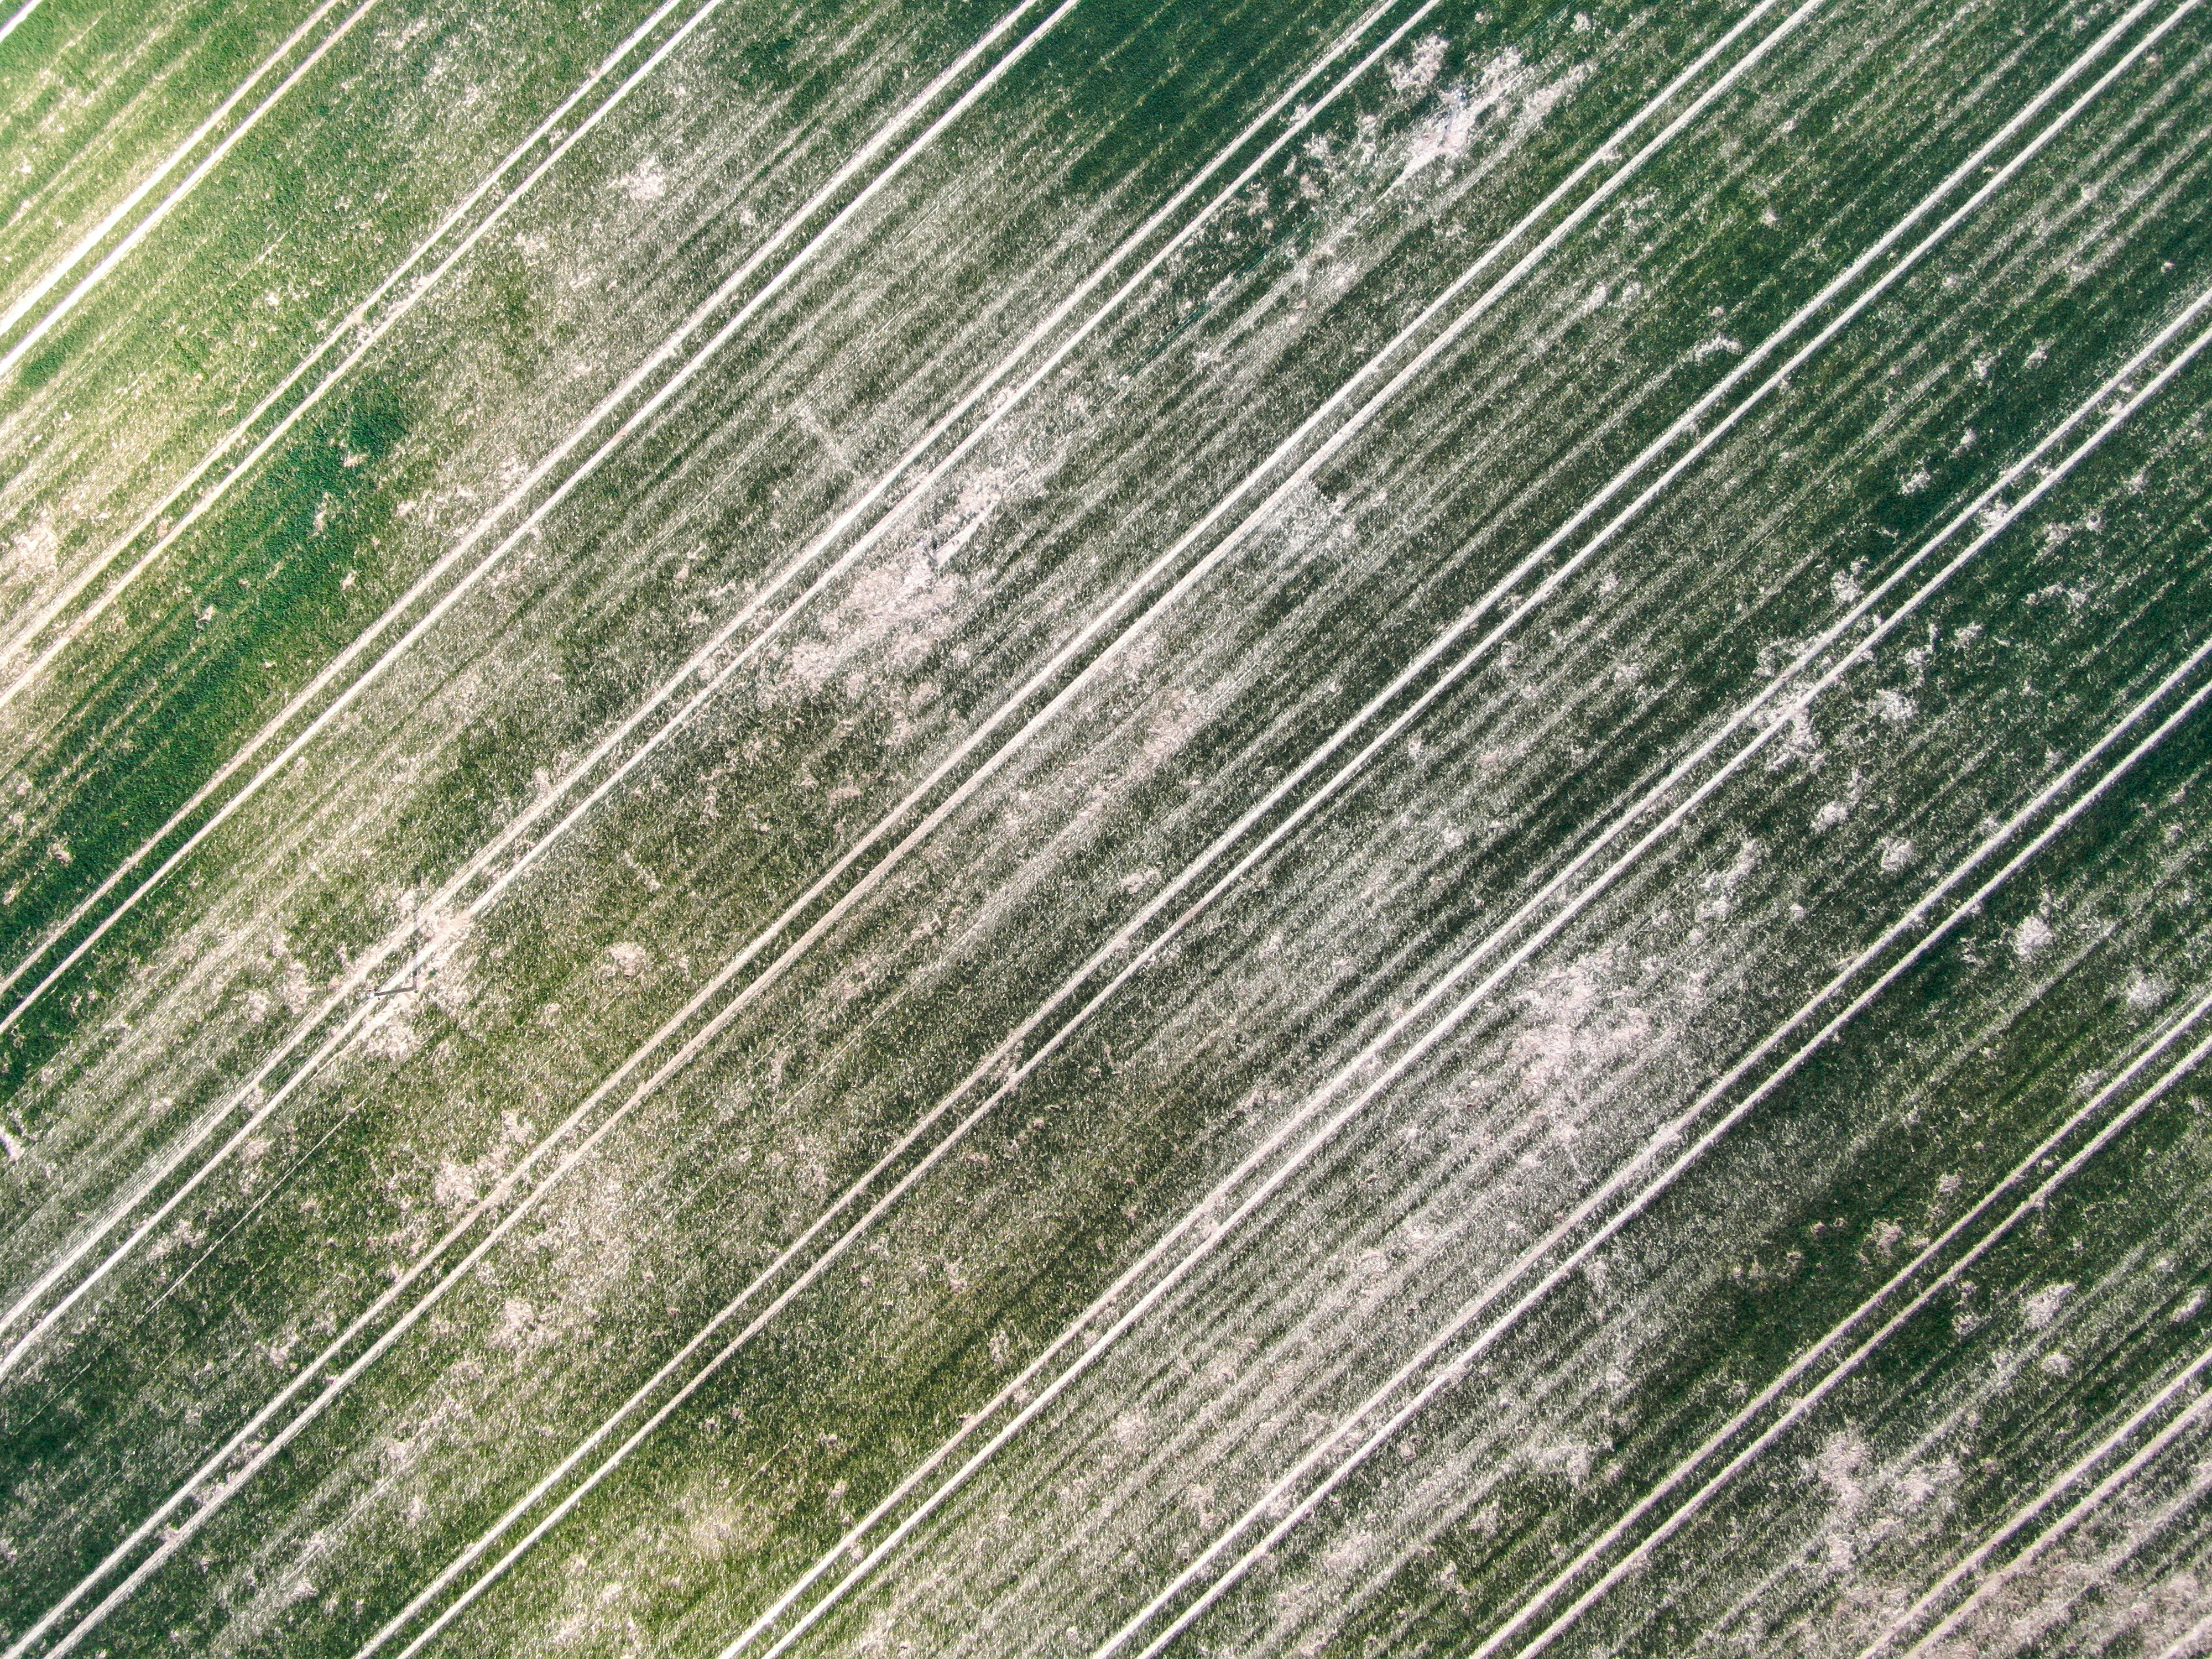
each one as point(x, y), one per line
point(353, 319)
point(700, 1001)
point(15, 18)
point(116, 255)
point(367, 967)
point(1668, 1136)
point(468, 582)
point(1011, 1081)
point(2191, 1642)
point(483, 1543)
point(2047, 482)
point(1453, 1370)
point(938, 815)
point(2027, 1514)
point(175, 1536)
point(365, 970)
point(1803, 1404)
point(829, 1560)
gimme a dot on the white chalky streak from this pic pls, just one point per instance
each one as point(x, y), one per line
point(1111, 949)
point(176, 1535)
point(468, 581)
point(1666, 1137)
point(1736, 722)
point(1452, 1370)
point(2190, 1643)
point(698, 663)
point(116, 255)
point(16, 18)
point(830, 1560)
point(369, 964)
point(2020, 1518)
point(477, 1548)
point(691, 1009)
point(1804, 1404)
point(353, 320)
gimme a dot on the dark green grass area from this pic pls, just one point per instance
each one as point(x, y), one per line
point(210, 669)
point(73, 72)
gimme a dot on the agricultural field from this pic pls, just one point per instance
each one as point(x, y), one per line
point(1291, 827)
